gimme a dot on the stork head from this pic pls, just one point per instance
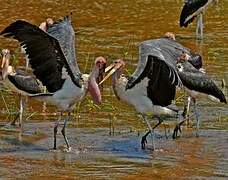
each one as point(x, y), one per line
point(183, 57)
point(95, 77)
point(6, 68)
point(100, 63)
point(44, 25)
point(5, 58)
point(116, 68)
point(169, 35)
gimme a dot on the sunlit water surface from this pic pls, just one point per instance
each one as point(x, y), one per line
point(106, 141)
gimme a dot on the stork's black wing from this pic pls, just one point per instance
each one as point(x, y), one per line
point(193, 79)
point(45, 54)
point(63, 31)
point(175, 50)
point(190, 7)
point(161, 88)
point(25, 83)
point(159, 49)
point(157, 61)
point(196, 60)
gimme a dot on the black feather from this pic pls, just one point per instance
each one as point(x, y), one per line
point(45, 54)
point(160, 89)
point(63, 31)
point(27, 84)
point(195, 80)
point(190, 6)
point(166, 50)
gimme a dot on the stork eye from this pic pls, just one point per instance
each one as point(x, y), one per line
point(179, 66)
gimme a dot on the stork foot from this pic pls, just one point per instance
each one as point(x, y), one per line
point(67, 149)
point(143, 142)
point(176, 130)
point(12, 124)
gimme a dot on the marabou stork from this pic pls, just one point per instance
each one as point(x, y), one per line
point(23, 73)
point(18, 80)
point(196, 82)
point(192, 9)
point(152, 87)
point(53, 60)
point(196, 61)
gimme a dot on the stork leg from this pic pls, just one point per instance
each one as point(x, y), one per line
point(188, 110)
point(63, 132)
point(197, 118)
point(178, 127)
point(199, 27)
point(56, 130)
point(21, 111)
point(19, 114)
point(151, 131)
point(13, 123)
point(144, 140)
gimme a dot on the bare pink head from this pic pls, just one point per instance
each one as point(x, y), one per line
point(95, 77)
point(169, 35)
point(44, 25)
point(6, 57)
point(183, 57)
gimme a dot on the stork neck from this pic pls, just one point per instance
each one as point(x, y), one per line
point(116, 77)
point(94, 74)
point(93, 86)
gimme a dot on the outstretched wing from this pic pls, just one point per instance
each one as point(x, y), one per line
point(63, 31)
point(190, 10)
point(158, 49)
point(157, 61)
point(194, 79)
point(161, 88)
point(45, 54)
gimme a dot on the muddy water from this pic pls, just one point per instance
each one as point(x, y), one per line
point(106, 140)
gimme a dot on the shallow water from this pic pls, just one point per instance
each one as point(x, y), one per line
point(113, 29)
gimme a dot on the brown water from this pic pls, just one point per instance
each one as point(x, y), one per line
point(113, 29)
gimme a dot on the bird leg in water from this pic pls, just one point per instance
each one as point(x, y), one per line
point(13, 123)
point(178, 127)
point(63, 132)
point(151, 131)
point(186, 111)
point(56, 130)
point(197, 118)
point(21, 111)
point(144, 140)
point(19, 114)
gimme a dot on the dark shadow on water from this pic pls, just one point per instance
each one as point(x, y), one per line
point(127, 148)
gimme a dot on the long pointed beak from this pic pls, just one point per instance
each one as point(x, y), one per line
point(3, 60)
point(111, 69)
